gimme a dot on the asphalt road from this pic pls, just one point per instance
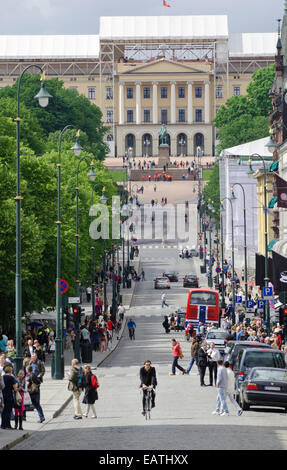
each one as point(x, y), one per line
point(182, 418)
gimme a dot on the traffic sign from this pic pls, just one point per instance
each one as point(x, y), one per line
point(260, 304)
point(64, 286)
point(238, 299)
point(74, 300)
point(267, 293)
point(250, 304)
point(218, 269)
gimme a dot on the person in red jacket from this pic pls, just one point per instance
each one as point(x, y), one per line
point(177, 353)
point(110, 326)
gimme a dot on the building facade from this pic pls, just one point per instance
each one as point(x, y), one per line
point(145, 71)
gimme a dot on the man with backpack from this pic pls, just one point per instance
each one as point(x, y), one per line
point(76, 386)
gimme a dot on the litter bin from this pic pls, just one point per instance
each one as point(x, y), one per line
point(87, 353)
point(203, 269)
point(129, 283)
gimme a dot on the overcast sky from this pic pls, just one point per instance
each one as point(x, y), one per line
point(82, 16)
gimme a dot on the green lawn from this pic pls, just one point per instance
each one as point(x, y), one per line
point(118, 175)
point(206, 174)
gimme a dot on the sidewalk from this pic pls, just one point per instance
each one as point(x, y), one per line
point(54, 393)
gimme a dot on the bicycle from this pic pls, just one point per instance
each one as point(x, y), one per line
point(147, 402)
point(132, 333)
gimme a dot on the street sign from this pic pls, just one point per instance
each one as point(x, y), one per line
point(260, 304)
point(238, 299)
point(74, 300)
point(64, 286)
point(250, 304)
point(267, 293)
point(218, 269)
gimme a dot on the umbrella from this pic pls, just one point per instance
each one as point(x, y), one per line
point(35, 323)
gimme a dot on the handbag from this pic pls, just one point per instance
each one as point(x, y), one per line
point(33, 388)
point(27, 399)
point(18, 398)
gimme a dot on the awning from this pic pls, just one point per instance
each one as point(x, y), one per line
point(272, 243)
point(272, 202)
point(274, 166)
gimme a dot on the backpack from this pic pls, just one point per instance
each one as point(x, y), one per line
point(94, 382)
point(80, 379)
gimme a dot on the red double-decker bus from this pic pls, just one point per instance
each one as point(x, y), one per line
point(202, 307)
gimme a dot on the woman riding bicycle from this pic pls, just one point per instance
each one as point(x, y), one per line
point(148, 382)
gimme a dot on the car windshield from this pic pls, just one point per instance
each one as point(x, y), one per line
point(270, 375)
point(191, 276)
point(216, 335)
point(264, 359)
point(203, 298)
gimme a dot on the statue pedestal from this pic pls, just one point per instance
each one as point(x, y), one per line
point(163, 157)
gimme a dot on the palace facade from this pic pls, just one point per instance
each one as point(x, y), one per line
point(145, 71)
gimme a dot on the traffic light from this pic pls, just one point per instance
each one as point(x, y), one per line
point(76, 313)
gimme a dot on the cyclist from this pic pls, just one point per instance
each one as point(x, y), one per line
point(148, 382)
point(131, 328)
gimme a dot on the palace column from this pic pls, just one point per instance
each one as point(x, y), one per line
point(206, 102)
point(189, 102)
point(121, 103)
point(154, 103)
point(172, 104)
point(138, 102)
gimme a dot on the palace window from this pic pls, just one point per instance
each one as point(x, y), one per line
point(236, 90)
point(181, 115)
point(109, 93)
point(219, 91)
point(198, 115)
point(110, 115)
point(198, 92)
point(163, 92)
point(146, 115)
point(130, 93)
point(181, 92)
point(146, 92)
point(130, 115)
point(91, 93)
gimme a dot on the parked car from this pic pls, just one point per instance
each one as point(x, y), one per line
point(190, 280)
point(217, 337)
point(255, 357)
point(193, 252)
point(233, 347)
point(172, 275)
point(161, 283)
point(264, 387)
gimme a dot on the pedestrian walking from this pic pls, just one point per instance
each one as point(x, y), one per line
point(177, 353)
point(10, 386)
point(221, 383)
point(75, 385)
point(166, 325)
point(163, 301)
point(131, 327)
point(90, 384)
point(213, 358)
point(230, 389)
point(194, 355)
point(143, 275)
point(202, 362)
point(33, 387)
point(19, 406)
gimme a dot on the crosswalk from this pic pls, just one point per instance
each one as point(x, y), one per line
point(163, 245)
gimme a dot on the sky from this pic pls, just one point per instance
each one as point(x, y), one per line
point(82, 17)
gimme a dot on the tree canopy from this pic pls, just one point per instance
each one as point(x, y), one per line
point(245, 118)
point(39, 176)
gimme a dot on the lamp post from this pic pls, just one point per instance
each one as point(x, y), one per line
point(92, 175)
point(233, 197)
point(43, 98)
point(232, 241)
point(222, 261)
point(266, 278)
point(59, 359)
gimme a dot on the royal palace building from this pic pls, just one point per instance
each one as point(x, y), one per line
point(145, 71)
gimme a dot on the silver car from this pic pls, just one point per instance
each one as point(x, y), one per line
point(161, 283)
point(217, 337)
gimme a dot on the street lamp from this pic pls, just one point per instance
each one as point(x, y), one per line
point(233, 198)
point(43, 98)
point(59, 355)
point(266, 278)
point(232, 240)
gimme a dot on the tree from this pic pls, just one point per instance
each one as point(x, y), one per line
point(245, 118)
point(65, 107)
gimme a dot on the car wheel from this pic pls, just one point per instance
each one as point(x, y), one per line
point(243, 404)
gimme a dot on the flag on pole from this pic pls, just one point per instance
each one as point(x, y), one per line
point(165, 4)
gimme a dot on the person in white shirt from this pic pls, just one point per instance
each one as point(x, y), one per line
point(213, 356)
point(121, 311)
point(163, 301)
point(230, 389)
